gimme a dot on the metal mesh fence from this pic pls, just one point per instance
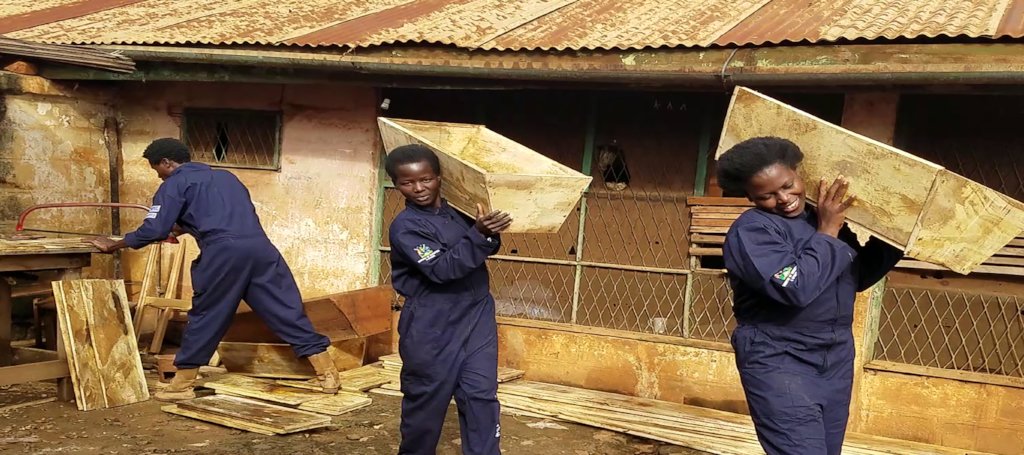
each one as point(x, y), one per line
point(956, 330)
point(711, 307)
point(233, 138)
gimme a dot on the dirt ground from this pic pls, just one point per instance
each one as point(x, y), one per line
point(142, 429)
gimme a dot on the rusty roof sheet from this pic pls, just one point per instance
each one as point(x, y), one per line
point(503, 24)
point(834, 20)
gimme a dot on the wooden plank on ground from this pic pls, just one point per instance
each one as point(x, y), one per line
point(355, 380)
point(262, 389)
point(100, 343)
point(338, 404)
point(230, 422)
point(712, 431)
point(278, 419)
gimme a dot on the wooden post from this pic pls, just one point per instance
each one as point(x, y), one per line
point(6, 307)
point(874, 115)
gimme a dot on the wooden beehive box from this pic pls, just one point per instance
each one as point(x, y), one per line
point(933, 214)
point(481, 166)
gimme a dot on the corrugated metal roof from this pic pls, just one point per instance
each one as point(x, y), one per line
point(504, 24)
point(834, 20)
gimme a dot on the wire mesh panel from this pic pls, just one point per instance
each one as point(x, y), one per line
point(532, 291)
point(647, 302)
point(952, 329)
point(234, 138)
point(711, 315)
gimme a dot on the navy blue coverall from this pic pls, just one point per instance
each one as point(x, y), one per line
point(448, 336)
point(237, 261)
point(793, 294)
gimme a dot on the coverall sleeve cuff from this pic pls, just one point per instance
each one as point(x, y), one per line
point(133, 242)
point(480, 239)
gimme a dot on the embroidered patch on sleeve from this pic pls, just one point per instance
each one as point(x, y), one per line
point(425, 253)
point(153, 211)
point(787, 275)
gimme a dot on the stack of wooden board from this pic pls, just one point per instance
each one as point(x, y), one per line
point(935, 215)
point(36, 246)
point(711, 217)
point(249, 415)
point(98, 337)
point(708, 430)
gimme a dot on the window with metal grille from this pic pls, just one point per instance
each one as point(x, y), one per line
point(234, 137)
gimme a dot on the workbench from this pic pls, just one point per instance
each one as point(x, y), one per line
point(67, 257)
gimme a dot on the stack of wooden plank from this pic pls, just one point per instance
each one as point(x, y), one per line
point(708, 430)
point(35, 246)
point(711, 217)
point(250, 415)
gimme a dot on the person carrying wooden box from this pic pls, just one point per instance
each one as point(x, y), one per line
point(794, 271)
point(237, 261)
point(448, 335)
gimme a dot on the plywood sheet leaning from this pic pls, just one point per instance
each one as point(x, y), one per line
point(102, 352)
point(249, 415)
point(895, 190)
point(481, 166)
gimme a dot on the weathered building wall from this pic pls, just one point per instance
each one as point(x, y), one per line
point(52, 149)
point(318, 209)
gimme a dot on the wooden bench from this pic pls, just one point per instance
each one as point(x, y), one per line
point(711, 217)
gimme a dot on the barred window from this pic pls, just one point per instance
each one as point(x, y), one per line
point(234, 137)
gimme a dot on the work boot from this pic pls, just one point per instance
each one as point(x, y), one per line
point(181, 387)
point(327, 375)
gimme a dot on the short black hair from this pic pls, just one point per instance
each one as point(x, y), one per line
point(408, 154)
point(168, 147)
point(744, 160)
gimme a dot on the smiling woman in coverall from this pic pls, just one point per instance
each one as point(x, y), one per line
point(448, 336)
point(237, 262)
point(794, 271)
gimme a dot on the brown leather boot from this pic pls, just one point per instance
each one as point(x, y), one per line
point(326, 373)
point(181, 388)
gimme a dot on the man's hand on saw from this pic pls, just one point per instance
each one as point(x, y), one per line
point(104, 244)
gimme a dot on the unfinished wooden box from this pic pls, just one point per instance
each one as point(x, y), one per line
point(348, 318)
point(931, 213)
point(481, 166)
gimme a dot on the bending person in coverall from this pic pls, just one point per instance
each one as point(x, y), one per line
point(448, 337)
point(237, 261)
point(794, 271)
